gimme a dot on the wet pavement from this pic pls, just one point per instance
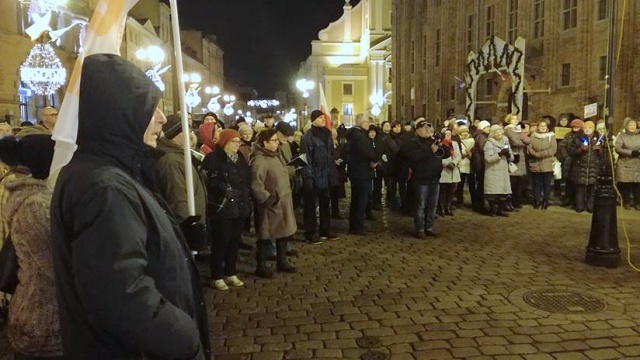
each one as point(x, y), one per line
point(486, 288)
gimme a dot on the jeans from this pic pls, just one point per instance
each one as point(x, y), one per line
point(426, 203)
point(542, 185)
point(359, 193)
point(225, 239)
point(310, 222)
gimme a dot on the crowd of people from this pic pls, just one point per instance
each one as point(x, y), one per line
point(106, 265)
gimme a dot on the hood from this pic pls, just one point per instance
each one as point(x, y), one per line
point(21, 188)
point(117, 101)
point(207, 132)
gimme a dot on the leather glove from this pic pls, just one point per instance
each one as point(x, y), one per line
point(504, 152)
point(451, 166)
point(516, 158)
point(635, 153)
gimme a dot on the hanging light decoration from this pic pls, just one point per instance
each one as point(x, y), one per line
point(191, 98)
point(228, 109)
point(41, 7)
point(214, 105)
point(42, 71)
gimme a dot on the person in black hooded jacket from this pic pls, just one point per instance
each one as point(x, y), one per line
point(128, 287)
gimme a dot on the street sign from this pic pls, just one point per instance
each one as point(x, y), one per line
point(590, 110)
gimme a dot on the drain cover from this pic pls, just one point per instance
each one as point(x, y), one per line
point(563, 301)
point(374, 355)
point(368, 342)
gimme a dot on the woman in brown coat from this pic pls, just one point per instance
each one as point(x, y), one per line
point(628, 165)
point(272, 192)
point(34, 325)
point(542, 151)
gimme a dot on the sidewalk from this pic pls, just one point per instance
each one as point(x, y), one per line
point(466, 295)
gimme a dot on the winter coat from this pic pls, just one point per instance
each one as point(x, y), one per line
point(317, 173)
point(360, 153)
point(627, 167)
point(272, 193)
point(451, 175)
point(221, 173)
point(518, 144)
point(34, 324)
point(542, 151)
point(245, 149)
point(425, 165)
point(392, 144)
point(477, 154)
point(586, 160)
point(496, 171)
point(128, 287)
point(466, 146)
point(339, 175)
point(171, 182)
point(567, 164)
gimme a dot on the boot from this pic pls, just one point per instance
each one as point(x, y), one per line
point(441, 210)
point(536, 203)
point(501, 208)
point(262, 251)
point(281, 257)
point(545, 204)
point(493, 208)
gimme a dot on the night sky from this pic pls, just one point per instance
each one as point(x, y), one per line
point(264, 41)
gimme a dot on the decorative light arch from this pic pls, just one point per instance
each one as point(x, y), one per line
point(495, 55)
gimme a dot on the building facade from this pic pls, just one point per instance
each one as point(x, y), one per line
point(352, 60)
point(565, 56)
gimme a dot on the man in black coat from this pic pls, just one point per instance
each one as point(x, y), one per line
point(362, 158)
point(424, 155)
point(317, 144)
point(127, 285)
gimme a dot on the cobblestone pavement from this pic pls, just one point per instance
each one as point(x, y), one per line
point(460, 295)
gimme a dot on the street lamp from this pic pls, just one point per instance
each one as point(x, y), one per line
point(305, 86)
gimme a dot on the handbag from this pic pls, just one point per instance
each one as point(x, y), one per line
point(8, 267)
point(512, 168)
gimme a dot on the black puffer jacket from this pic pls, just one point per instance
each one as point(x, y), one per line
point(127, 285)
point(586, 156)
point(221, 173)
point(318, 145)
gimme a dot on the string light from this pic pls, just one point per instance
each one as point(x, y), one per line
point(42, 71)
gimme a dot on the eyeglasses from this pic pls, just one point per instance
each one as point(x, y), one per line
point(423, 125)
point(273, 140)
point(235, 141)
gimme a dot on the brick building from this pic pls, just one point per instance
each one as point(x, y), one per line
point(565, 61)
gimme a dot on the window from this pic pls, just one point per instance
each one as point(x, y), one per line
point(424, 52)
point(470, 27)
point(602, 67)
point(347, 109)
point(569, 14)
point(438, 95)
point(347, 89)
point(488, 90)
point(412, 56)
point(437, 49)
point(512, 27)
point(538, 19)
point(565, 75)
point(490, 21)
point(603, 9)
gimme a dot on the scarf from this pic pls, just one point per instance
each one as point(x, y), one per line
point(449, 143)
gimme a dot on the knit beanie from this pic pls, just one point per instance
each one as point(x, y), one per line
point(32, 151)
point(588, 124)
point(284, 128)
point(226, 135)
point(483, 124)
point(577, 123)
point(494, 128)
point(315, 114)
point(172, 127)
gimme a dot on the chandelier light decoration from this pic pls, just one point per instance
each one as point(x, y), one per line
point(42, 71)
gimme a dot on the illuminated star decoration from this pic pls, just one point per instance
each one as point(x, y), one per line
point(42, 71)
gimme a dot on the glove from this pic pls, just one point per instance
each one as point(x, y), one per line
point(635, 153)
point(384, 158)
point(583, 148)
point(504, 152)
point(194, 232)
point(338, 162)
point(451, 166)
point(516, 158)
